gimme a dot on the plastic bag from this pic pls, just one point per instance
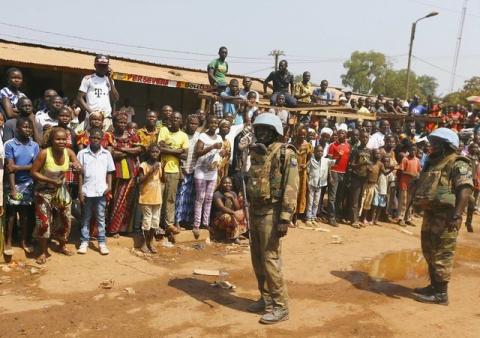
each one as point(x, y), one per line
point(62, 198)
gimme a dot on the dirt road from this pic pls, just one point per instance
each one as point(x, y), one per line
point(339, 285)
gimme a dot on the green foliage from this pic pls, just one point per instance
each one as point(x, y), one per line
point(363, 69)
point(370, 73)
point(471, 87)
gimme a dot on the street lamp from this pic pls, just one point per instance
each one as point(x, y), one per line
point(412, 37)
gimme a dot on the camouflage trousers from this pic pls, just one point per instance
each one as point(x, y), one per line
point(265, 250)
point(438, 244)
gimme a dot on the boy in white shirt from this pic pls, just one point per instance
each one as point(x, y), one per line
point(95, 184)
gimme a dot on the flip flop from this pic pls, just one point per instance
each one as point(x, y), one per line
point(28, 249)
point(41, 260)
point(66, 252)
point(8, 252)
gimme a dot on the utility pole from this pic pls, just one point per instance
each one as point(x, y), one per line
point(457, 47)
point(276, 53)
point(412, 37)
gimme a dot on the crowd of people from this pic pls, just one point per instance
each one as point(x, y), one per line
point(188, 170)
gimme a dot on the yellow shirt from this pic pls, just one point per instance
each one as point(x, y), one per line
point(302, 89)
point(176, 140)
point(150, 189)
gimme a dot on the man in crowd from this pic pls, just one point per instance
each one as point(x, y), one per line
point(322, 95)
point(47, 95)
point(303, 89)
point(98, 90)
point(339, 151)
point(282, 81)
point(149, 133)
point(49, 119)
point(218, 69)
point(128, 109)
point(173, 144)
point(247, 85)
point(274, 203)
point(377, 139)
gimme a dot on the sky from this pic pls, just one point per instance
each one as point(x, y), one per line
point(317, 36)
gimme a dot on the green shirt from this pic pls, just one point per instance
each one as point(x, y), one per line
point(220, 69)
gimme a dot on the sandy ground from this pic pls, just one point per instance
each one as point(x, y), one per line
point(338, 286)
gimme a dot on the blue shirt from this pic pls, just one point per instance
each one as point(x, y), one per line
point(22, 154)
point(228, 107)
point(419, 110)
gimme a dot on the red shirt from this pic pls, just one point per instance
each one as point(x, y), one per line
point(409, 165)
point(341, 153)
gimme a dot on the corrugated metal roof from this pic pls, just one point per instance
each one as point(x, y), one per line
point(27, 54)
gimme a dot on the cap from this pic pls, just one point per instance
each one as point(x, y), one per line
point(101, 59)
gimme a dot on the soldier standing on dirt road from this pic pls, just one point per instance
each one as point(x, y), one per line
point(442, 191)
point(272, 191)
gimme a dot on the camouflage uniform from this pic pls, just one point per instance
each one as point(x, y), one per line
point(436, 195)
point(272, 193)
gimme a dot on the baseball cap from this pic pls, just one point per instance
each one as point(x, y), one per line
point(101, 59)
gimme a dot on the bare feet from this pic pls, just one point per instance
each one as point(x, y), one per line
point(26, 247)
point(42, 259)
point(63, 249)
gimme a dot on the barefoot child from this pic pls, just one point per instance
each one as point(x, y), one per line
point(380, 198)
point(374, 170)
point(150, 198)
point(20, 152)
point(94, 186)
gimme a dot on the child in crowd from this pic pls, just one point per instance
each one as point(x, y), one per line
point(223, 129)
point(132, 127)
point(11, 94)
point(20, 152)
point(95, 184)
point(315, 181)
point(409, 169)
point(374, 170)
point(150, 198)
point(474, 156)
point(380, 197)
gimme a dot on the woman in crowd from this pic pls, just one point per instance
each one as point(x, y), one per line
point(48, 170)
point(9, 95)
point(227, 214)
point(207, 151)
point(125, 156)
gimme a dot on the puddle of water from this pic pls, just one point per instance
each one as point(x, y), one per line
point(408, 264)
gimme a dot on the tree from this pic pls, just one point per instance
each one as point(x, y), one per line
point(426, 85)
point(363, 68)
point(471, 87)
point(370, 73)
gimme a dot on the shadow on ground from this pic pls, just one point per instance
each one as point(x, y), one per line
point(363, 281)
point(202, 291)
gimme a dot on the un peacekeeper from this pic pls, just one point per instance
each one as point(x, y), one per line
point(443, 190)
point(272, 194)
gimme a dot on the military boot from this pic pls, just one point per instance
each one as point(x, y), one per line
point(260, 306)
point(428, 289)
point(439, 295)
point(277, 315)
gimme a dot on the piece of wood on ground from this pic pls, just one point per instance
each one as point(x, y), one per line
point(206, 272)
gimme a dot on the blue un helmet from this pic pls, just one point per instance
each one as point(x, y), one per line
point(271, 120)
point(446, 135)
